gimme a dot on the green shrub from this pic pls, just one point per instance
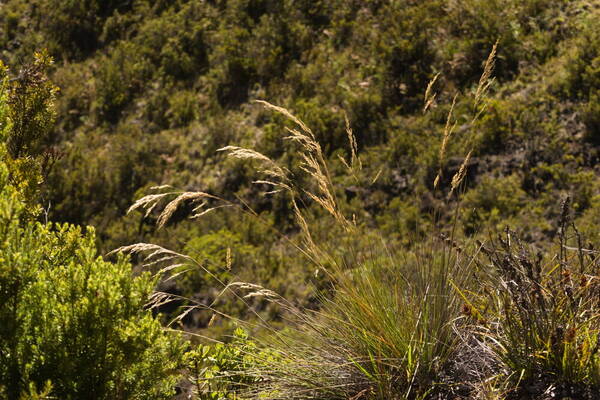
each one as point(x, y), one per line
point(72, 318)
point(591, 117)
point(30, 99)
point(583, 68)
point(71, 324)
point(220, 371)
point(492, 202)
point(75, 27)
point(26, 118)
point(526, 32)
point(120, 75)
point(183, 108)
point(176, 42)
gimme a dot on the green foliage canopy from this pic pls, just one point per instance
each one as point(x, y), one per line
point(71, 324)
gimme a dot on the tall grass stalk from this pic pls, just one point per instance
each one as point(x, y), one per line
point(387, 325)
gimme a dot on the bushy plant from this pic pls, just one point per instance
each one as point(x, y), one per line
point(75, 26)
point(72, 325)
point(118, 79)
point(387, 331)
point(492, 202)
point(220, 370)
point(26, 119)
point(539, 313)
point(74, 319)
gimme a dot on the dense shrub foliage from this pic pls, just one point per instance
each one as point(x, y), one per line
point(151, 90)
point(181, 75)
point(72, 325)
point(72, 319)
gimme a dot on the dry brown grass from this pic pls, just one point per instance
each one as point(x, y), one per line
point(390, 325)
point(429, 99)
point(479, 105)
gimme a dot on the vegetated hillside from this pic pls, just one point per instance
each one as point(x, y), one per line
point(150, 90)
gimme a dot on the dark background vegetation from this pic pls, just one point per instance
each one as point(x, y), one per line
point(151, 89)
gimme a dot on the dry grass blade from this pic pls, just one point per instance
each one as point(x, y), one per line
point(303, 226)
point(460, 175)
point(429, 97)
point(171, 267)
point(161, 187)
point(344, 162)
point(485, 80)
point(377, 176)
point(313, 163)
point(170, 209)
point(249, 154)
point(212, 320)
point(256, 291)
point(276, 184)
point(162, 260)
point(149, 202)
point(287, 114)
point(448, 130)
point(137, 248)
point(204, 212)
point(245, 154)
point(324, 196)
point(355, 159)
point(156, 255)
point(304, 140)
point(324, 202)
point(228, 260)
point(158, 299)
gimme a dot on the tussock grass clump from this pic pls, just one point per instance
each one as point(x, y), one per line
point(423, 322)
point(387, 320)
point(387, 332)
point(539, 313)
point(386, 326)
